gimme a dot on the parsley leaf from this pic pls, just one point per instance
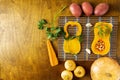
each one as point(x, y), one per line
point(103, 31)
point(41, 24)
point(47, 29)
point(49, 35)
point(72, 37)
point(69, 37)
point(80, 38)
point(53, 32)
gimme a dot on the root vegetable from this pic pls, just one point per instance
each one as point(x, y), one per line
point(79, 71)
point(66, 75)
point(70, 65)
point(52, 55)
point(75, 10)
point(87, 8)
point(101, 9)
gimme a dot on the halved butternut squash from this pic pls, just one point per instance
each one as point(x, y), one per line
point(72, 24)
point(72, 45)
point(101, 41)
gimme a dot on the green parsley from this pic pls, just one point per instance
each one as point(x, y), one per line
point(72, 37)
point(42, 23)
point(53, 32)
point(103, 32)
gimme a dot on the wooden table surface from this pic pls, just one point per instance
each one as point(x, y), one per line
point(23, 50)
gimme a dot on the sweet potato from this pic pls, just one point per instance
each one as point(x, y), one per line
point(101, 9)
point(87, 8)
point(75, 10)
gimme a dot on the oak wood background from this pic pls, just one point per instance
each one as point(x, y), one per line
point(23, 51)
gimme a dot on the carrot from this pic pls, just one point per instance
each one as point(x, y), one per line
point(52, 55)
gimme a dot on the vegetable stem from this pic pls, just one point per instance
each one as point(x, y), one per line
point(58, 13)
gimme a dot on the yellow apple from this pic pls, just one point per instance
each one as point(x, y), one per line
point(79, 71)
point(67, 75)
point(70, 65)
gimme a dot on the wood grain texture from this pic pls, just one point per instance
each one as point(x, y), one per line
point(23, 50)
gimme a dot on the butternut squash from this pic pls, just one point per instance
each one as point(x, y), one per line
point(52, 56)
point(72, 24)
point(72, 45)
point(101, 41)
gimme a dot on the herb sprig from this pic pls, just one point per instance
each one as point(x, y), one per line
point(53, 32)
point(42, 24)
point(80, 37)
point(103, 32)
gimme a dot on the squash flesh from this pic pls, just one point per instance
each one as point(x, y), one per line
point(105, 38)
point(66, 46)
point(72, 24)
point(72, 46)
